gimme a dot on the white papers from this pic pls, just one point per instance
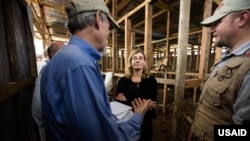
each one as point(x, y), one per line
point(120, 111)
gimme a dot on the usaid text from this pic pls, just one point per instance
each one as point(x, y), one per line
point(232, 132)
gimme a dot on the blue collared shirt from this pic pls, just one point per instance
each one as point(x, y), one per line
point(75, 103)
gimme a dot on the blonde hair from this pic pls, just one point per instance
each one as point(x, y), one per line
point(129, 71)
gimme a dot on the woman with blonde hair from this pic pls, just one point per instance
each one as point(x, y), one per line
point(137, 83)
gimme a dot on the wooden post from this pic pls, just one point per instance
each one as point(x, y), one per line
point(128, 42)
point(197, 59)
point(217, 54)
point(206, 42)
point(174, 60)
point(114, 47)
point(181, 68)
point(148, 49)
point(133, 40)
point(165, 88)
point(191, 59)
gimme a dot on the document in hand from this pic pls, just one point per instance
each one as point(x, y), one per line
point(120, 111)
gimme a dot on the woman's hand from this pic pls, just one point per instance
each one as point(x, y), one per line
point(152, 104)
point(121, 97)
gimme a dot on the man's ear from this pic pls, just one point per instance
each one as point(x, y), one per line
point(97, 19)
point(244, 18)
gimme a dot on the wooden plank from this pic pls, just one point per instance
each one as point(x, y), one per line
point(165, 87)
point(174, 36)
point(114, 47)
point(171, 72)
point(184, 17)
point(133, 11)
point(128, 47)
point(11, 40)
point(206, 41)
point(148, 48)
point(38, 24)
point(9, 89)
point(165, 81)
point(51, 5)
point(122, 4)
point(107, 2)
point(118, 74)
point(162, 5)
point(191, 83)
point(154, 16)
point(217, 54)
point(217, 1)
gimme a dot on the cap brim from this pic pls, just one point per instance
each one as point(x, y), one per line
point(113, 22)
point(213, 18)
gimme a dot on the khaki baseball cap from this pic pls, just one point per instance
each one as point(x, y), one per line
point(90, 5)
point(226, 7)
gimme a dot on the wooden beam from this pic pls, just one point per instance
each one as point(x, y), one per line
point(114, 39)
point(162, 5)
point(128, 47)
point(133, 11)
point(59, 35)
point(114, 47)
point(154, 16)
point(184, 17)
point(167, 34)
point(217, 54)
point(107, 2)
point(206, 41)
point(37, 22)
point(148, 48)
point(58, 27)
point(11, 40)
point(217, 1)
point(174, 36)
point(165, 87)
point(51, 5)
point(9, 89)
point(122, 4)
point(191, 83)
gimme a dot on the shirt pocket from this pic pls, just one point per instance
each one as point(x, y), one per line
point(215, 92)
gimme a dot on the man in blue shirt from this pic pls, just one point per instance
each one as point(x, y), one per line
point(75, 103)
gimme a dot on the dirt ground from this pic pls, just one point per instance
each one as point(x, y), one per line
point(163, 123)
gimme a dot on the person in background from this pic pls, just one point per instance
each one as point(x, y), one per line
point(137, 83)
point(54, 47)
point(74, 99)
point(36, 109)
point(44, 61)
point(225, 97)
point(39, 58)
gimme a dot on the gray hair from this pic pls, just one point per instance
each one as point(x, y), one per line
point(83, 20)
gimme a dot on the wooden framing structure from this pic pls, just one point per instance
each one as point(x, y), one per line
point(18, 71)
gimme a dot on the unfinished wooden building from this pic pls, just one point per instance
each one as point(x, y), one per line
point(179, 50)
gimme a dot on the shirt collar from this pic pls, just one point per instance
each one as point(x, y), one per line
point(237, 52)
point(85, 46)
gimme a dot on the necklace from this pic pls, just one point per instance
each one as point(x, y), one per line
point(137, 81)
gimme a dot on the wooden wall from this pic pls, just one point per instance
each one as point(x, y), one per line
point(17, 73)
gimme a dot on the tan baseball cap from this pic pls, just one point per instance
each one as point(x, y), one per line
point(226, 7)
point(90, 5)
